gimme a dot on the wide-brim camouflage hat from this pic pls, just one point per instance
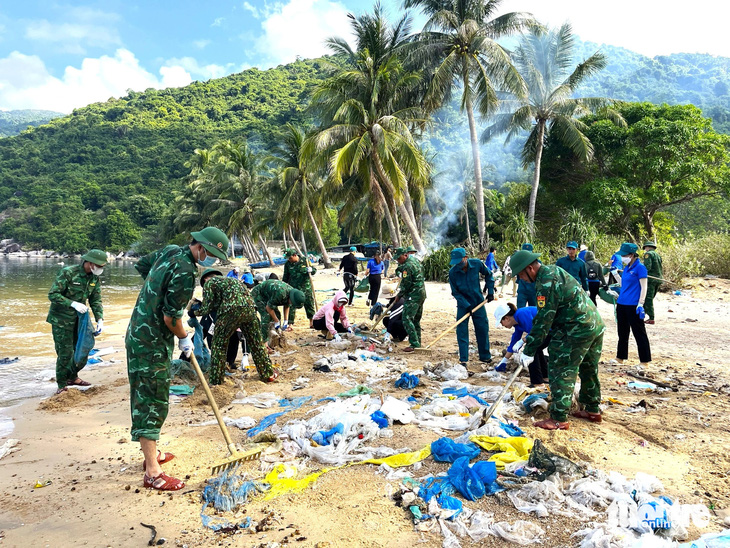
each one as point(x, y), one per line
point(521, 260)
point(96, 256)
point(649, 243)
point(388, 291)
point(213, 240)
point(297, 298)
point(208, 272)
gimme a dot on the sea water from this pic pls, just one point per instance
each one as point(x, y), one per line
point(24, 332)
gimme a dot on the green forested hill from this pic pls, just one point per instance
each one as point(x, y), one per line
point(13, 122)
point(103, 174)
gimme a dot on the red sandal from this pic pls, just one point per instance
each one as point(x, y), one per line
point(162, 458)
point(273, 377)
point(163, 482)
point(78, 382)
point(551, 424)
point(592, 417)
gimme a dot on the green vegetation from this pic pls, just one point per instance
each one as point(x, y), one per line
point(13, 122)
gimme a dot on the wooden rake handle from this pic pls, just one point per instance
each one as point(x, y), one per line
point(211, 399)
point(454, 326)
point(385, 312)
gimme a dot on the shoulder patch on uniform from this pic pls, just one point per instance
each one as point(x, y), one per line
point(541, 301)
point(405, 273)
point(646, 255)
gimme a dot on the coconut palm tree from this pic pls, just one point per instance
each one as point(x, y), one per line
point(369, 135)
point(458, 46)
point(546, 61)
point(298, 183)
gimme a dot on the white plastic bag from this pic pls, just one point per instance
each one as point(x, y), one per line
point(519, 532)
point(397, 410)
point(263, 400)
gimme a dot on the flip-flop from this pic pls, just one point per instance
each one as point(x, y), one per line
point(61, 390)
point(587, 415)
point(78, 382)
point(273, 377)
point(551, 424)
point(163, 482)
point(162, 458)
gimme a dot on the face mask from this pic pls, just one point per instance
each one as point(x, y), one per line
point(208, 261)
point(626, 260)
point(96, 270)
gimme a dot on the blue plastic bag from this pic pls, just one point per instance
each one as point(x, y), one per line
point(466, 480)
point(324, 437)
point(485, 470)
point(406, 381)
point(380, 419)
point(85, 339)
point(450, 503)
point(458, 392)
point(434, 487)
point(512, 430)
point(447, 450)
point(530, 400)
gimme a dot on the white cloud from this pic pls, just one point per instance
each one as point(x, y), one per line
point(253, 9)
point(201, 44)
point(26, 83)
point(299, 29)
point(217, 22)
point(204, 72)
point(85, 27)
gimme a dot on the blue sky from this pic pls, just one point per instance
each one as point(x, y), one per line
point(59, 56)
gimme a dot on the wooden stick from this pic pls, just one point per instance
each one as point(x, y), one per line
point(454, 326)
point(492, 408)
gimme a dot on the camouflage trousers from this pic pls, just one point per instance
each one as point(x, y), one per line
point(308, 304)
point(266, 319)
point(412, 312)
point(652, 287)
point(149, 401)
point(226, 325)
point(64, 339)
point(568, 359)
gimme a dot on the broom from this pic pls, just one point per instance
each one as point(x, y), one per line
point(236, 457)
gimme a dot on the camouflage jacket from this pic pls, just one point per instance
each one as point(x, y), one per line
point(73, 284)
point(296, 274)
point(564, 307)
point(145, 264)
point(224, 296)
point(413, 281)
point(166, 291)
point(653, 263)
point(271, 293)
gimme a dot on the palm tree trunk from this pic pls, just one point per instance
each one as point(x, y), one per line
point(466, 218)
point(404, 213)
point(325, 256)
point(536, 177)
point(294, 241)
point(479, 190)
point(392, 223)
point(252, 253)
point(283, 234)
point(266, 250)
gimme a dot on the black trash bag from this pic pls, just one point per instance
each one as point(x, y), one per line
point(549, 463)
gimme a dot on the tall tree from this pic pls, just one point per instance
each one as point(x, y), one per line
point(458, 45)
point(546, 61)
point(300, 192)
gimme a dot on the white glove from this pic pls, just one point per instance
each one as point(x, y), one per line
point(525, 361)
point(519, 344)
point(337, 273)
point(81, 308)
point(186, 345)
point(277, 326)
point(349, 329)
point(612, 293)
point(285, 325)
point(99, 327)
point(310, 270)
point(337, 337)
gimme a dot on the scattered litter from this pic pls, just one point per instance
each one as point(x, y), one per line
point(397, 410)
point(406, 381)
point(357, 391)
point(264, 400)
point(645, 386)
point(300, 383)
point(181, 390)
point(446, 450)
point(8, 447)
point(42, 483)
point(243, 422)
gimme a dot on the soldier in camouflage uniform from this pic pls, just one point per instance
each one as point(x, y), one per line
point(577, 338)
point(169, 276)
point(413, 290)
point(268, 296)
point(234, 309)
point(653, 264)
point(296, 274)
point(73, 286)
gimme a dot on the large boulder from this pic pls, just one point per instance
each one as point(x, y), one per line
point(12, 248)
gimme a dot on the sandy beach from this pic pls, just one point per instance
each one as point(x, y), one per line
point(79, 441)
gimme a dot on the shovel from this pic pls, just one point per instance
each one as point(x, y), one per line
point(236, 457)
point(492, 408)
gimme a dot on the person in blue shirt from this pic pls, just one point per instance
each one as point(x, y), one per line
point(490, 261)
point(573, 265)
point(615, 267)
point(526, 295)
point(630, 305)
point(247, 279)
point(464, 279)
point(582, 252)
point(374, 272)
point(233, 273)
point(509, 316)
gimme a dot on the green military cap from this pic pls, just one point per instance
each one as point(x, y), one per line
point(399, 251)
point(649, 243)
point(290, 253)
point(297, 298)
point(411, 249)
point(521, 260)
point(214, 240)
point(96, 256)
point(208, 272)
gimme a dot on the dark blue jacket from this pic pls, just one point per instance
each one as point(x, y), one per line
point(466, 286)
point(575, 268)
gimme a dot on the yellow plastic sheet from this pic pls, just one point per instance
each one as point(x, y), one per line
point(401, 459)
point(512, 449)
point(282, 486)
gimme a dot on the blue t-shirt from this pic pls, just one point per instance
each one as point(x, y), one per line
point(582, 255)
point(247, 278)
point(630, 286)
point(232, 274)
point(523, 317)
point(616, 262)
point(374, 267)
point(491, 263)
